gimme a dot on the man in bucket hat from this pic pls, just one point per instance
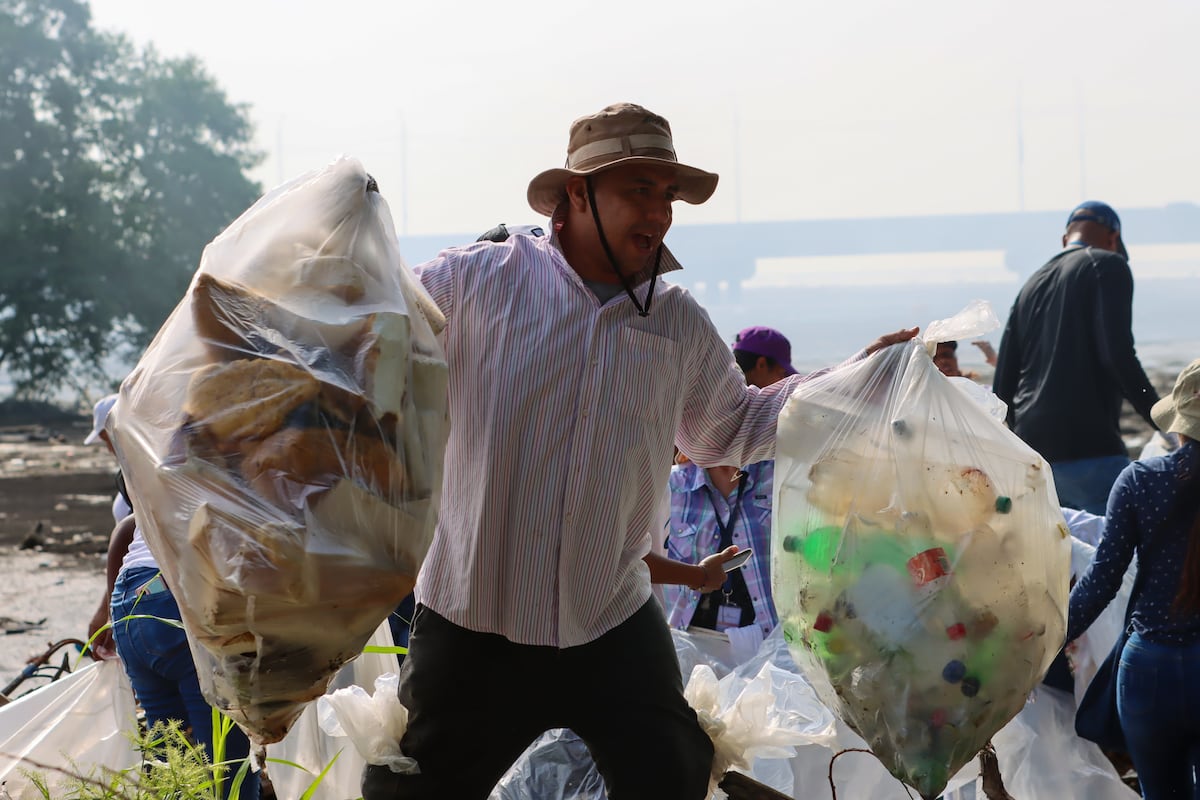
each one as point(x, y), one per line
point(572, 372)
point(1067, 359)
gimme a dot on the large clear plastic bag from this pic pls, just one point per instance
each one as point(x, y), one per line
point(920, 561)
point(282, 438)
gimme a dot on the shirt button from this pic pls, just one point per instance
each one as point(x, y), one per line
point(585, 413)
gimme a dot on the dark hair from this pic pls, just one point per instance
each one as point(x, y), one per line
point(746, 360)
point(951, 343)
point(1187, 506)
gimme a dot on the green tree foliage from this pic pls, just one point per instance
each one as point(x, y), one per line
point(117, 166)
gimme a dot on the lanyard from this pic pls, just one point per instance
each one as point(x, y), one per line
point(726, 526)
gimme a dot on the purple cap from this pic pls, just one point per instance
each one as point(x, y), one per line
point(764, 341)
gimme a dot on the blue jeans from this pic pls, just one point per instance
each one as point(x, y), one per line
point(160, 667)
point(1086, 482)
point(1158, 702)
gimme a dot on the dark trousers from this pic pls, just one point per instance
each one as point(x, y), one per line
point(477, 700)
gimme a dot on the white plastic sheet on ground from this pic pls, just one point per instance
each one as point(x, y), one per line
point(81, 724)
point(283, 438)
point(312, 750)
point(920, 559)
point(1040, 756)
point(88, 713)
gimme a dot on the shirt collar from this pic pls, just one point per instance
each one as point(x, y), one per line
point(692, 478)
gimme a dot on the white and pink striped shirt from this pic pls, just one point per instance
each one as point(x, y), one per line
point(563, 413)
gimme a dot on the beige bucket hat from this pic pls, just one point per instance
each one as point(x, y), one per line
point(1180, 413)
point(620, 134)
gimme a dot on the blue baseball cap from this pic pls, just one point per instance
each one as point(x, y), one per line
point(1095, 211)
point(1101, 214)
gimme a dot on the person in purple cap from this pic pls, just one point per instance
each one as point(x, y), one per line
point(764, 355)
point(1067, 359)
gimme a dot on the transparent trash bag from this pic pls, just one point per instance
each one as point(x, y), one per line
point(282, 439)
point(920, 561)
point(80, 725)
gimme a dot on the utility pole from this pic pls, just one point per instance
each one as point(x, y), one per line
point(1020, 153)
point(737, 163)
point(1082, 141)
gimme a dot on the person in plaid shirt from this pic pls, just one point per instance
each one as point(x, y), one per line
point(714, 508)
point(703, 503)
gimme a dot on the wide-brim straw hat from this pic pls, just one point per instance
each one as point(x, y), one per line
point(1180, 412)
point(620, 134)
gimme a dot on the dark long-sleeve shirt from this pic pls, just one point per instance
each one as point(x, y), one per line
point(1142, 517)
point(1067, 357)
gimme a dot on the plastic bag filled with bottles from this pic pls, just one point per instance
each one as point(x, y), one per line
point(920, 562)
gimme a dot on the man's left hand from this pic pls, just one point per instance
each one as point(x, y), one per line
point(889, 339)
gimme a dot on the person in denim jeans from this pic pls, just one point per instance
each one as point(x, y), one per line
point(154, 652)
point(159, 664)
point(1154, 510)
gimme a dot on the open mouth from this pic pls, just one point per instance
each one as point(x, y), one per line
point(644, 241)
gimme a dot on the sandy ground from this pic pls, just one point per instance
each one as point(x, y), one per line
point(62, 590)
point(57, 494)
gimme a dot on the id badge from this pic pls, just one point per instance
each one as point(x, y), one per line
point(729, 617)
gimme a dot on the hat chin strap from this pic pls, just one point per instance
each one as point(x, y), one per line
point(643, 311)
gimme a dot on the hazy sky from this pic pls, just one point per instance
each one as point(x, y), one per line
point(806, 109)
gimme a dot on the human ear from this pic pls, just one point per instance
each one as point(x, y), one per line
point(577, 193)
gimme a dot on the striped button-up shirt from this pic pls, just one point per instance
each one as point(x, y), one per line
point(562, 413)
point(693, 533)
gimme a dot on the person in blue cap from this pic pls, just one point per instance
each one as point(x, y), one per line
point(1067, 359)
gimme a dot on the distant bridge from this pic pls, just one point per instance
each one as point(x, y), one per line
point(728, 251)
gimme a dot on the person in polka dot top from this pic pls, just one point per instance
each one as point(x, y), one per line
point(1154, 510)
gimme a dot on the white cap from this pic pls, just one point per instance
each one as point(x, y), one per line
point(100, 416)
